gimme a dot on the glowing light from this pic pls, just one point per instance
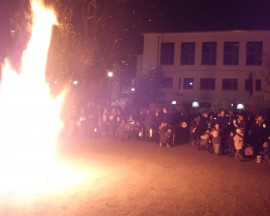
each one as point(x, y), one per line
point(240, 106)
point(174, 102)
point(195, 104)
point(75, 82)
point(110, 74)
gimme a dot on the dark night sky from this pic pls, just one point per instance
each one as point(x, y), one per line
point(123, 21)
point(194, 15)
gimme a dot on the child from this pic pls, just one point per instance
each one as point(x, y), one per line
point(165, 134)
point(238, 143)
point(266, 147)
point(230, 144)
point(216, 139)
point(204, 139)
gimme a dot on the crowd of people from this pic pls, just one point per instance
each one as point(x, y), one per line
point(242, 135)
point(238, 134)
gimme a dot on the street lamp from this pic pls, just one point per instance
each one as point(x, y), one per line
point(240, 106)
point(110, 75)
point(75, 82)
point(195, 104)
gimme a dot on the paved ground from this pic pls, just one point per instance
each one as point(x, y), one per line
point(138, 178)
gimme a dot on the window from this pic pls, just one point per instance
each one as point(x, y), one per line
point(187, 53)
point(231, 53)
point(209, 52)
point(166, 82)
point(229, 84)
point(167, 54)
point(207, 83)
point(248, 85)
point(188, 83)
point(254, 53)
point(258, 85)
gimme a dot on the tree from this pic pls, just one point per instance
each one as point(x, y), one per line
point(266, 73)
point(148, 88)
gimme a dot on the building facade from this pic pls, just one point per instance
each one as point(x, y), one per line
point(216, 69)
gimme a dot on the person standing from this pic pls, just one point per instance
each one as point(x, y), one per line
point(82, 123)
point(238, 143)
point(148, 123)
point(156, 123)
point(164, 128)
point(201, 128)
point(104, 123)
point(216, 139)
point(230, 144)
point(257, 134)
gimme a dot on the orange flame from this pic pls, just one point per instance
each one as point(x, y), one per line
point(29, 114)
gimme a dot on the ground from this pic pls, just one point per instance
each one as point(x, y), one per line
point(131, 177)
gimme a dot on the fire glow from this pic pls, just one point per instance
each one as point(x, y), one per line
point(29, 115)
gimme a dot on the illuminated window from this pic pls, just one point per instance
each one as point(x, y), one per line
point(209, 53)
point(167, 54)
point(254, 53)
point(207, 84)
point(229, 84)
point(188, 83)
point(231, 53)
point(187, 53)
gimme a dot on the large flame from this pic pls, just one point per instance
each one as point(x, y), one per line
point(29, 114)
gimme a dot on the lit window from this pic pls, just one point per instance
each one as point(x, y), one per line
point(188, 83)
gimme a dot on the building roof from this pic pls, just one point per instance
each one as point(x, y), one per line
point(209, 31)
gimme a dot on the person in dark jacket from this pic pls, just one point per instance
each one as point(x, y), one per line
point(223, 122)
point(201, 128)
point(165, 130)
point(155, 127)
point(165, 117)
point(257, 134)
point(148, 125)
